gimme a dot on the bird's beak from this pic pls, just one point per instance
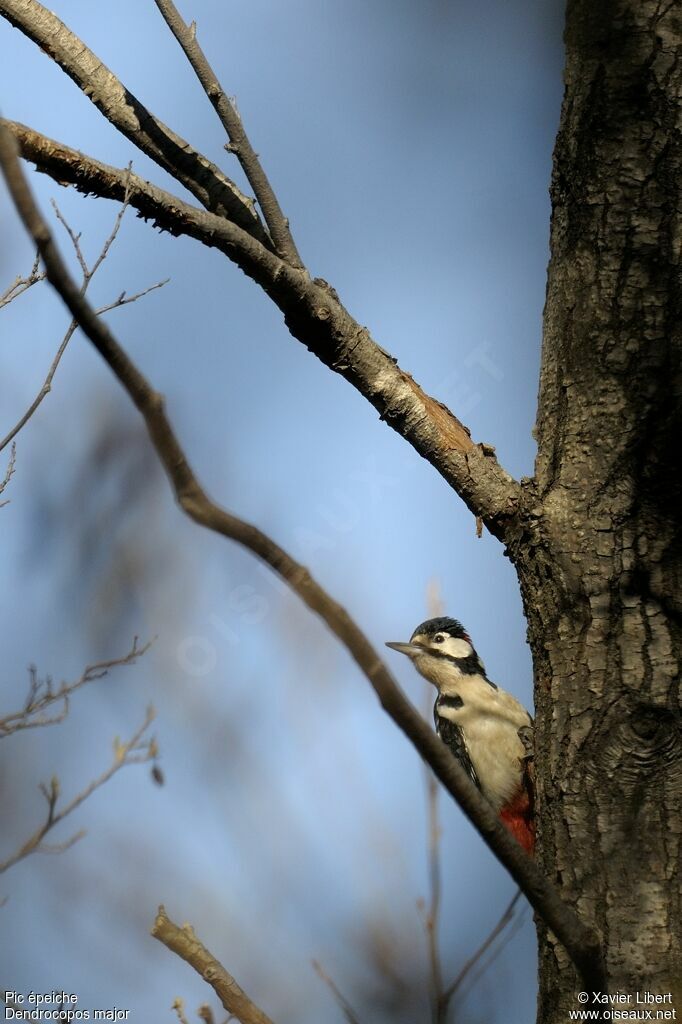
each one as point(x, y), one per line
point(409, 649)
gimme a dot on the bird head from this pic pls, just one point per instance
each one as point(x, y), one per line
point(441, 651)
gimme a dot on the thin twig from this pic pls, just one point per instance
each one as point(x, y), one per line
point(582, 942)
point(343, 1004)
point(432, 912)
point(132, 752)
point(8, 472)
point(88, 274)
point(494, 952)
point(184, 943)
point(21, 284)
point(76, 238)
point(125, 300)
point(62, 847)
point(232, 123)
point(42, 695)
point(45, 389)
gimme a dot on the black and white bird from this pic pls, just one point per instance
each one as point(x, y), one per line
point(487, 729)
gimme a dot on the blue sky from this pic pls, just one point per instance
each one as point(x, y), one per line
point(410, 146)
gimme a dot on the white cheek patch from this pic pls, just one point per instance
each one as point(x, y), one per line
point(456, 647)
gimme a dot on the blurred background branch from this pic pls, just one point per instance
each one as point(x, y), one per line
point(136, 750)
point(43, 695)
point(347, 1010)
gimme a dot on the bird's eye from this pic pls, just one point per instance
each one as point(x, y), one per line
point(439, 638)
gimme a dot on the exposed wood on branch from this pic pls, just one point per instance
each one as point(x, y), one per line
point(135, 751)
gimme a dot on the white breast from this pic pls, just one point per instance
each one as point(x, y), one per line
point(490, 720)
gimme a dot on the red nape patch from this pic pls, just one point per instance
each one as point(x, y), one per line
point(517, 816)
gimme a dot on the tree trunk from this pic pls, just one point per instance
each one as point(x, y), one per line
point(599, 555)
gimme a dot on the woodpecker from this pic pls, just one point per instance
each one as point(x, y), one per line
point(487, 730)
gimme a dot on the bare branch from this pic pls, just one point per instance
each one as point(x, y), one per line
point(133, 752)
point(201, 178)
point(184, 943)
point(45, 389)
point(89, 272)
point(495, 948)
point(21, 284)
point(61, 847)
point(239, 143)
point(432, 910)
point(315, 317)
point(582, 942)
point(343, 1004)
point(8, 472)
point(42, 696)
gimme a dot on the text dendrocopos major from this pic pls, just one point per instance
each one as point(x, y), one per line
point(487, 730)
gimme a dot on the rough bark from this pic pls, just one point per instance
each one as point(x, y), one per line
point(599, 552)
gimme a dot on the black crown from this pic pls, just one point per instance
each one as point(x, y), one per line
point(442, 625)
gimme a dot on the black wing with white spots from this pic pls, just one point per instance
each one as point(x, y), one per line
point(453, 737)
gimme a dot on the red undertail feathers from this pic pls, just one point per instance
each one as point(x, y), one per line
point(517, 816)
